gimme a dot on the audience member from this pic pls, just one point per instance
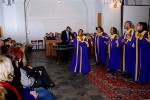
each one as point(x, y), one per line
point(57, 36)
point(6, 77)
point(10, 41)
point(50, 36)
point(1, 43)
point(5, 47)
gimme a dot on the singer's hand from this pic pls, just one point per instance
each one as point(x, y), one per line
point(71, 38)
point(123, 40)
point(117, 37)
point(128, 36)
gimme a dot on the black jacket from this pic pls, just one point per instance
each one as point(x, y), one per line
point(64, 37)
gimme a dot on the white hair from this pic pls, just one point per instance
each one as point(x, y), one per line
point(6, 69)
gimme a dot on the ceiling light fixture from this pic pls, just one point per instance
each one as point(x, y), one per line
point(8, 2)
point(116, 3)
point(59, 2)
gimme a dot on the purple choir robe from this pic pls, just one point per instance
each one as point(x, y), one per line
point(114, 53)
point(128, 51)
point(100, 47)
point(80, 62)
point(142, 58)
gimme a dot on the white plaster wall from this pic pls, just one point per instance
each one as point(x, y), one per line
point(146, 2)
point(13, 21)
point(1, 12)
point(49, 16)
point(111, 17)
point(10, 21)
point(1, 16)
point(138, 2)
point(131, 2)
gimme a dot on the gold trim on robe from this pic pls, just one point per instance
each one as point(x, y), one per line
point(136, 67)
point(95, 48)
point(76, 57)
point(80, 59)
point(137, 72)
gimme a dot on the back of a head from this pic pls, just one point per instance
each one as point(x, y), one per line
point(17, 52)
point(145, 26)
point(100, 27)
point(6, 69)
point(6, 40)
point(115, 30)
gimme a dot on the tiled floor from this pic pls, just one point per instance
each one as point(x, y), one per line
point(71, 86)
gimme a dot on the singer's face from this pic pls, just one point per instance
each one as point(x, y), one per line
point(138, 27)
point(111, 31)
point(99, 30)
point(80, 33)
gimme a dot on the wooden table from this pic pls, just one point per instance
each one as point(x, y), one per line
point(49, 47)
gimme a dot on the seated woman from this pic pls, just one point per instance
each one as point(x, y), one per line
point(6, 77)
point(29, 83)
point(40, 71)
point(35, 72)
point(26, 94)
point(80, 63)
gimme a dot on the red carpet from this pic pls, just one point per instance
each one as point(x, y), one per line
point(117, 88)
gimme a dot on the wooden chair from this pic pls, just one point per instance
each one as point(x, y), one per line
point(40, 43)
point(34, 43)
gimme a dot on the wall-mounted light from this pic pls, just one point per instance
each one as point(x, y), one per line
point(116, 3)
point(8, 2)
point(59, 2)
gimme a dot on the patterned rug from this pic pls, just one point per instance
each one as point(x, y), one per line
point(116, 87)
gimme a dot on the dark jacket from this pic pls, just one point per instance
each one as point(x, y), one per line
point(5, 49)
point(64, 37)
point(50, 38)
point(16, 80)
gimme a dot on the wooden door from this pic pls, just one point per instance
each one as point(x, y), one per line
point(99, 19)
